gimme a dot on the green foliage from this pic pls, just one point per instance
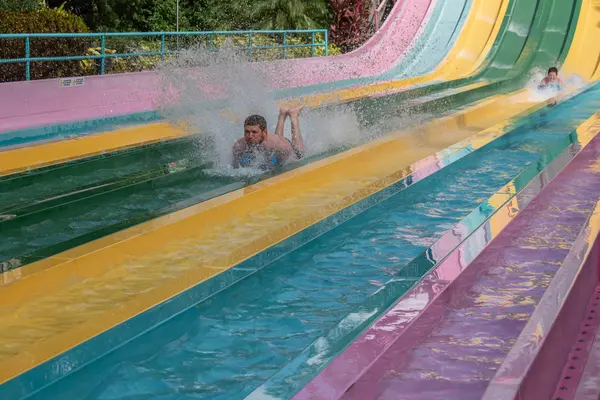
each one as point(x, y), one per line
point(303, 52)
point(151, 16)
point(163, 16)
point(44, 20)
point(136, 63)
point(128, 15)
point(198, 15)
point(217, 15)
point(286, 14)
point(20, 5)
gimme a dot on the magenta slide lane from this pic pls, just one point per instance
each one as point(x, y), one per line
point(548, 359)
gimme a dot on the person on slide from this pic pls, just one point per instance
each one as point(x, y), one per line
point(553, 82)
point(258, 148)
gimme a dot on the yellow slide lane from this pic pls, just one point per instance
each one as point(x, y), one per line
point(471, 48)
point(584, 54)
point(23, 159)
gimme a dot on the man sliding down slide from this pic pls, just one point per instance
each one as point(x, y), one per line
point(260, 149)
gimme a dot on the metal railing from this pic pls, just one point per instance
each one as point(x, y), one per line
point(318, 38)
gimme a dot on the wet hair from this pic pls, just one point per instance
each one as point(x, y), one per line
point(256, 120)
point(553, 69)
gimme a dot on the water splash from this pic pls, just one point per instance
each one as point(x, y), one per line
point(571, 82)
point(210, 93)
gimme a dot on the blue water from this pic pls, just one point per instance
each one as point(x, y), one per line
point(227, 346)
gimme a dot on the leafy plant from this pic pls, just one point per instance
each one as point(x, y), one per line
point(350, 26)
point(91, 66)
point(208, 15)
point(221, 15)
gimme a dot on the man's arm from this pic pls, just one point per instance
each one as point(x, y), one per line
point(283, 113)
point(237, 150)
point(297, 141)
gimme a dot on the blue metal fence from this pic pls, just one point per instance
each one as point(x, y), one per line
point(318, 38)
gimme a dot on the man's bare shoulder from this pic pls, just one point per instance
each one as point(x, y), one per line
point(274, 141)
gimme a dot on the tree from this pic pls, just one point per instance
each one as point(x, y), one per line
point(223, 15)
point(159, 15)
point(286, 14)
point(97, 14)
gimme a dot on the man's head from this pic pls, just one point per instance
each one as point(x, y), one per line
point(553, 73)
point(255, 129)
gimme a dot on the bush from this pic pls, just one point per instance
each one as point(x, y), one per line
point(43, 21)
point(20, 5)
point(60, 21)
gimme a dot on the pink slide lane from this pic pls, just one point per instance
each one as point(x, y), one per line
point(381, 52)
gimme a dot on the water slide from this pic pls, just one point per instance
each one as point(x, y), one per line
point(403, 33)
point(369, 272)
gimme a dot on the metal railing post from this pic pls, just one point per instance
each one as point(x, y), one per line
point(27, 62)
point(250, 44)
point(162, 47)
point(211, 41)
point(102, 51)
point(284, 44)
point(326, 43)
point(312, 48)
